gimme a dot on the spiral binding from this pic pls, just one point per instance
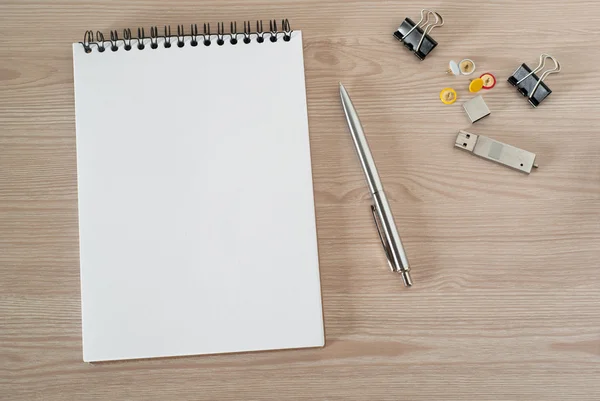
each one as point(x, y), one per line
point(220, 37)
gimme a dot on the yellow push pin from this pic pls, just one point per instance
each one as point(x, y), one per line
point(448, 96)
point(476, 85)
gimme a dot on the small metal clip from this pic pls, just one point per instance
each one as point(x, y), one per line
point(529, 84)
point(386, 247)
point(416, 36)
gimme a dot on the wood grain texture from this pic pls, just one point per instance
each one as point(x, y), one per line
point(506, 302)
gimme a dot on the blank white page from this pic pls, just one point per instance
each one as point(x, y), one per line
point(196, 209)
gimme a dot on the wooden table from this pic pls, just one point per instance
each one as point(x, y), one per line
point(506, 302)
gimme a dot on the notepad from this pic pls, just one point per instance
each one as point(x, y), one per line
point(196, 207)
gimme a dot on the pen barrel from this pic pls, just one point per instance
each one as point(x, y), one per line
point(360, 142)
point(366, 158)
point(396, 255)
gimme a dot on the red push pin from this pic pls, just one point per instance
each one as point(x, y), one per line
point(489, 81)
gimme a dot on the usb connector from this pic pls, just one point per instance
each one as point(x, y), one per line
point(466, 141)
point(495, 151)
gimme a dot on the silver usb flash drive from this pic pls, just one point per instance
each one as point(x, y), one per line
point(495, 151)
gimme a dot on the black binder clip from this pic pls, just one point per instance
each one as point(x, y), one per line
point(529, 85)
point(416, 36)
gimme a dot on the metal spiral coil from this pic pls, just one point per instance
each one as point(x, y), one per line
point(220, 38)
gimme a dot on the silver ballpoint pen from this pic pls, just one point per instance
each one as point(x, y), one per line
point(382, 214)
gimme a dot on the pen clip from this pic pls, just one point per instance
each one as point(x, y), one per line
point(383, 240)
